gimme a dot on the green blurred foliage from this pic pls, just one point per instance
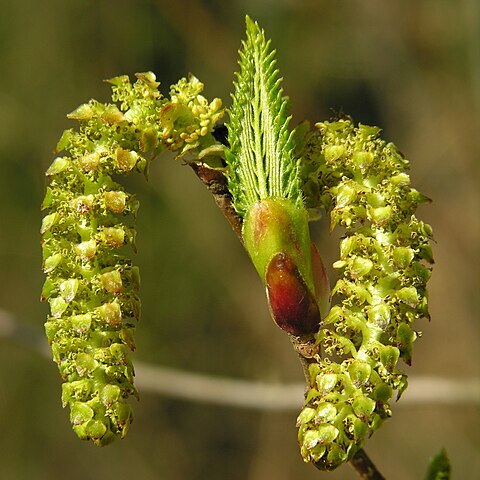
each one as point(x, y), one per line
point(411, 67)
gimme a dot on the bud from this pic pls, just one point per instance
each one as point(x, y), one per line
point(293, 307)
point(276, 236)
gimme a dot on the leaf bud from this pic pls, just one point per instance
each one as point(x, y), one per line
point(293, 307)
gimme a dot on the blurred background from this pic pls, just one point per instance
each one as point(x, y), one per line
point(411, 67)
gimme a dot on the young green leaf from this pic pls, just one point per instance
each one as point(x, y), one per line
point(261, 162)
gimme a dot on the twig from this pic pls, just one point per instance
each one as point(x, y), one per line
point(364, 466)
point(216, 183)
point(196, 387)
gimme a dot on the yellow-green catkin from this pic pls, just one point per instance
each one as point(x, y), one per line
point(87, 234)
point(363, 183)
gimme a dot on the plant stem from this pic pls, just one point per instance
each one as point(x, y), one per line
point(216, 182)
point(364, 466)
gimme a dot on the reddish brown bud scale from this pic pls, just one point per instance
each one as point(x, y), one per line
point(292, 305)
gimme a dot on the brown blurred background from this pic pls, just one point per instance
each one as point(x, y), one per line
point(411, 67)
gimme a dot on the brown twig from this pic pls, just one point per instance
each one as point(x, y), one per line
point(216, 182)
point(365, 467)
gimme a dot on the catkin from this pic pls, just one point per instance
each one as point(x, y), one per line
point(92, 285)
point(381, 291)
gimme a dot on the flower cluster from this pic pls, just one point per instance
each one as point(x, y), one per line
point(91, 285)
point(188, 118)
point(381, 290)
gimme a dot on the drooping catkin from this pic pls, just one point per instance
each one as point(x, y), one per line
point(92, 285)
point(363, 183)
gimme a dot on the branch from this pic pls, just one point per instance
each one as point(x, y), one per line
point(216, 183)
point(424, 390)
point(365, 467)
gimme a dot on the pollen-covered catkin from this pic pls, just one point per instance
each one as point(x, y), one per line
point(92, 285)
point(383, 270)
